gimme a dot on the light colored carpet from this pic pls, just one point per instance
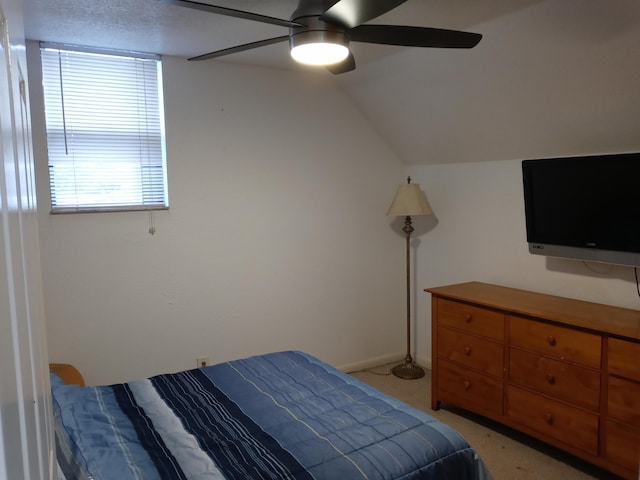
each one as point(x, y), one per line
point(507, 454)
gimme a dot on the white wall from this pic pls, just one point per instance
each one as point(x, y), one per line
point(480, 235)
point(276, 237)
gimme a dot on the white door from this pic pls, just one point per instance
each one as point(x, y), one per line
point(26, 439)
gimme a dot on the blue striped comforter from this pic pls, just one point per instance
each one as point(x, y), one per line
point(283, 415)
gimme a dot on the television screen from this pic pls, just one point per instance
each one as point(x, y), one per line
point(584, 207)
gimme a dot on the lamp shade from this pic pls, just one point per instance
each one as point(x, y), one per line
point(409, 201)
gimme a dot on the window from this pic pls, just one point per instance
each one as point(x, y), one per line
point(105, 130)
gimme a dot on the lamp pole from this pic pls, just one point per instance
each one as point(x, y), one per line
point(408, 370)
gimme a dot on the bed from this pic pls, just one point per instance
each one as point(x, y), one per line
point(283, 415)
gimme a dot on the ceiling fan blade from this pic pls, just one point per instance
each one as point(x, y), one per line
point(230, 12)
point(414, 36)
point(240, 48)
point(347, 65)
point(351, 13)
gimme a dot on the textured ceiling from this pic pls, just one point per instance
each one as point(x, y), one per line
point(149, 25)
point(155, 27)
point(422, 101)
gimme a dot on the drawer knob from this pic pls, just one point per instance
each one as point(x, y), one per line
point(467, 351)
point(549, 418)
point(551, 340)
point(467, 318)
point(467, 385)
point(551, 379)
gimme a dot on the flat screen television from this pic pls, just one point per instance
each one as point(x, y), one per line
point(585, 208)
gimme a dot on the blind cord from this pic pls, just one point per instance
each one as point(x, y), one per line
point(64, 117)
point(152, 223)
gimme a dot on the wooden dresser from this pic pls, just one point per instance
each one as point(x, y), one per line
point(564, 371)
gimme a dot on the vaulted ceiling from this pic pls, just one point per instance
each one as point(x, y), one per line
point(550, 77)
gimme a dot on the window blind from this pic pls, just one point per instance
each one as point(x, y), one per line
point(105, 131)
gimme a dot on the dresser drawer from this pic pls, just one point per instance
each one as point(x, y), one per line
point(622, 445)
point(468, 389)
point(558, 342)
point(577, 385)
point(557, 420)
point(624, 358)
point(477, 320)
point(475, 352)
point(624, 400)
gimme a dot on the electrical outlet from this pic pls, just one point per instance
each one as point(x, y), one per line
point(202, 361)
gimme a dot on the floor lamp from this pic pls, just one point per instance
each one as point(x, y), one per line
point(409, 201)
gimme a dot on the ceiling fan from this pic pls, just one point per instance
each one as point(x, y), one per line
point(320, 31)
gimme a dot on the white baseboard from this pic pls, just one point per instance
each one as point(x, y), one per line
point(382, 360)
point(424, 362)
point(372, 362)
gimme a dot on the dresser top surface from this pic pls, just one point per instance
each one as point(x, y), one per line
point(608, 319)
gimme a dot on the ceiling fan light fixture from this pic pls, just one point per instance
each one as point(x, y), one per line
point(319, 47)
point(319, 53)
point(320, 31)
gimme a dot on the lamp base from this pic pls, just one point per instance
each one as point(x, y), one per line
point(408, 371)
